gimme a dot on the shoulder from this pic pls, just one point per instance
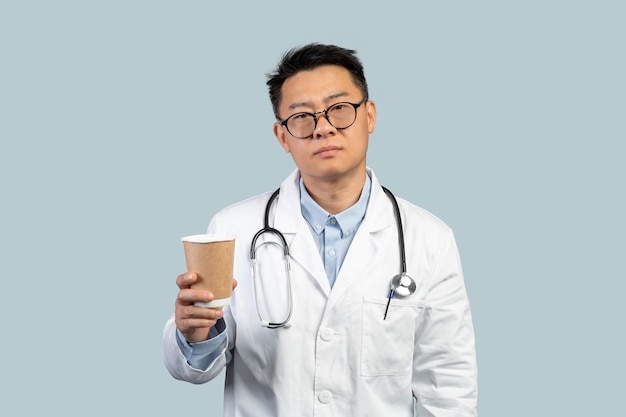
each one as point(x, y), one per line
point(420, 217)
point(242, 214)
point(414, 218)
point(250, 213)
point(423, 227)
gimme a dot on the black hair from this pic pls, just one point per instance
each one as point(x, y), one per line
point(309, 57)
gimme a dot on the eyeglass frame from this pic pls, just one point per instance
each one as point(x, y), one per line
point(325, 111)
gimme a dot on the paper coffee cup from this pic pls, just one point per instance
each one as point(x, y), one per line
point(211, 257)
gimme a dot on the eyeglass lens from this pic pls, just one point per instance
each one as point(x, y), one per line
point(340, 115)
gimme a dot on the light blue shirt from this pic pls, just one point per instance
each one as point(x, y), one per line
point(332, 234)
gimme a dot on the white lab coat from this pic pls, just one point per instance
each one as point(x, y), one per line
point(339, 357)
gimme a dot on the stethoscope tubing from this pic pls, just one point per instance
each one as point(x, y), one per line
point(396, 211)
point(267, 229)
point(396, 282)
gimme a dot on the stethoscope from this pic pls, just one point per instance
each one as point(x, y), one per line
point(401, 284)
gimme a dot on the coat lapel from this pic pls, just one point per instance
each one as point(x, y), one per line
point(365, 246)
point(288, 219)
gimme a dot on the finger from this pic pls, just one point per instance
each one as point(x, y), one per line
point(195, 312)
point(189, 318)
point(195, 329)
point(186, 280)
point(234, 283)
point(189, 296)
point(190, 325)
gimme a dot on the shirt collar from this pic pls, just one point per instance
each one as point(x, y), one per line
point(348, 220)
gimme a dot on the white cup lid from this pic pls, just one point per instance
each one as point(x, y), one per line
point(208, 238)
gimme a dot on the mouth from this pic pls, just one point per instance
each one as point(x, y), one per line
point(327, 151)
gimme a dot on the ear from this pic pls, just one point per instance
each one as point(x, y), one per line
point(279, 132)
point(371, 116)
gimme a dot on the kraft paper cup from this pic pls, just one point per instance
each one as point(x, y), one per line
point(211, 257)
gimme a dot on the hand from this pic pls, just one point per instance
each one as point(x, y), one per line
point(192, 321)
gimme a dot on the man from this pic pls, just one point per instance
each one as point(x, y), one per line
point(324, 335)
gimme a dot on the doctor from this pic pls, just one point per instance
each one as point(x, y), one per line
point(318, 329)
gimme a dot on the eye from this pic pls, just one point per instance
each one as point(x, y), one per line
point(299, 117)
point(339, 107)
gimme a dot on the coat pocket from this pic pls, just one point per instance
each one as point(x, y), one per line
point(387, 345)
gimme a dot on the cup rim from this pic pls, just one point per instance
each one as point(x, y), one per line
point(208, 238)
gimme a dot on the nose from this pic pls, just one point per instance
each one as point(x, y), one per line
point(323, 127)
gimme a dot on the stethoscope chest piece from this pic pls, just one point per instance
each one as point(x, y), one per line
point(403, 285)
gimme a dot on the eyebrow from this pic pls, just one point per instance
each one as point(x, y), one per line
point(331, 97)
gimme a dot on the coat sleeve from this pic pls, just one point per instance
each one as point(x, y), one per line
point(445, 373)
point(178, 366)
point(174, 359)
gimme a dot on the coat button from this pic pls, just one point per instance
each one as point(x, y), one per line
point(324, 397)
point(327, 334)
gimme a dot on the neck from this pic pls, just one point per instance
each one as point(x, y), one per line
point(335, 195)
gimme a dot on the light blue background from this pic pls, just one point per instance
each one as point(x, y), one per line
point(125, 125)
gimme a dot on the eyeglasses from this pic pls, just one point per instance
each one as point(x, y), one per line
point(340, 115)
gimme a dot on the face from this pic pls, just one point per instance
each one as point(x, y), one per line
point(331, 154)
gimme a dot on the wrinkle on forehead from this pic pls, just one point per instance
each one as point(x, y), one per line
point(326, 100)
point(311, 90)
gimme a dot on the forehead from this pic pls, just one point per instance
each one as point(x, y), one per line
point(318, 85)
